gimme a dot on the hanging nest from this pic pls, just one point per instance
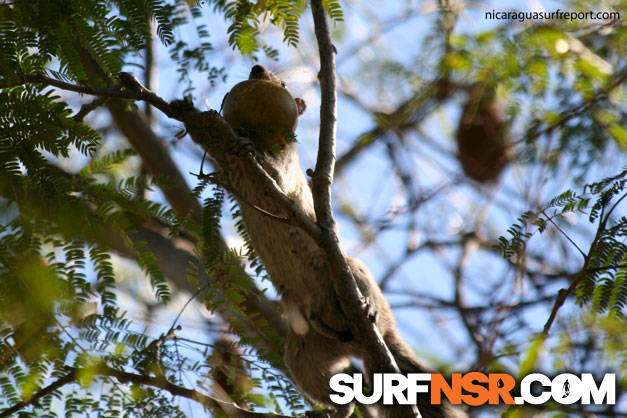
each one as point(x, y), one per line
point(481, 141)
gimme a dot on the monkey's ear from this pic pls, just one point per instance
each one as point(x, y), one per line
point(302, 106)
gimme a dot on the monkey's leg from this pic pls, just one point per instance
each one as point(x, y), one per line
point(322, 328)
point(326, 315)
point(312, 359)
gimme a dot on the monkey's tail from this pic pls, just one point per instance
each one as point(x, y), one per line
point(405, 358)
point(408, 363)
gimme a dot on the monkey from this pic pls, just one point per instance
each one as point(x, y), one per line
point(319, 341)
point(482, 146)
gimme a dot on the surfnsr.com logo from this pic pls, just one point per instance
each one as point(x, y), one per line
point(474, 389)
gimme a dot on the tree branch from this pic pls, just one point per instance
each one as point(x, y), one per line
point(88, 107)
point(343, 280)
point(121, 93)
point(162, 383)
point(405, 117)
point(569, 114)
point(152, 150)
point(158, 382)
point(563, 294)
point(68, 378)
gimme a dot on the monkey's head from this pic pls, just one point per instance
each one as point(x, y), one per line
point(263, 109)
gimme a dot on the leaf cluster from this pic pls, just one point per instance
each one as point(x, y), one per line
point(604, 270)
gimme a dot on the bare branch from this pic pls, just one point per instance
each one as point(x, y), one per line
point(88, 107)
point(581, 108)
point(550, 219)
point(149, 67)
point(158, 382)
point(343, 280)
point(405, 117)
point(563, 294)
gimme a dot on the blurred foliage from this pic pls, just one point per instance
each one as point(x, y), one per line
point(602, 279)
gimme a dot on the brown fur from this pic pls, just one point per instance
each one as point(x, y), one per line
point(320, 342)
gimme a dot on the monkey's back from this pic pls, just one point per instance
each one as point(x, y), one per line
point(296, 264)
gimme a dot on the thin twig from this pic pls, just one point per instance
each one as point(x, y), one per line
point(575, 111)
point(199, 397)
point(563, 294)
point(548, 218)
point(405, 117)
point(189, 300)
point(88, 107)
point(229, 188)
point(296, 214)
